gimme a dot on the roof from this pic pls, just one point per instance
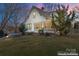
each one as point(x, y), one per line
point(41, 12)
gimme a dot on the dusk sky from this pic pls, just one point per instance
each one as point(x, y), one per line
point(39, 5)
point(29, 5)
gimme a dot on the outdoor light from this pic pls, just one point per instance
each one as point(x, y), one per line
point(34, 13)
point(7, 36)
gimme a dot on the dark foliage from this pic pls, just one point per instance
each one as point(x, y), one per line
point(63, 20)
point(22, 29)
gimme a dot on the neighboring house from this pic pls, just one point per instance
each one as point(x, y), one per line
point(76, 21)
point(38, 19)
point(76, 25)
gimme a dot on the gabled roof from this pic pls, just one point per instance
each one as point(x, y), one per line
point(41, 12)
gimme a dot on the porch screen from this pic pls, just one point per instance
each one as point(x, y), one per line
point(48, 24)
point(38, 25)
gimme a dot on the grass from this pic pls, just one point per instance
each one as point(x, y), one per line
point(35, 45)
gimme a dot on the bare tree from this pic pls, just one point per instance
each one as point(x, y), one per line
point(18, 18)
point(50, 6)
point(7, 13)
point(12, 14)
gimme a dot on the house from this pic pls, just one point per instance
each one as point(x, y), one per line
point(38, 19)
point(75, 23)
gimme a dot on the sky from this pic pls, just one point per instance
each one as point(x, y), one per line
point(39, 5)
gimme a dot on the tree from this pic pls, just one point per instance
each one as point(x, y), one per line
point(19, 16)
point(62, 20)
point(50, 6)
point(6, 15)
point(12, 15)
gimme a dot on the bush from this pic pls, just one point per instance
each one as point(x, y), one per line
point(41, 31)
point(29, 33)
point(47, 34)
point(2, 34)
point(22, 29)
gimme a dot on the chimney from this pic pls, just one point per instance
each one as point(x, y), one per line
point(42, 8)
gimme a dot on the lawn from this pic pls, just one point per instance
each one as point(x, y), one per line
point(37, 45)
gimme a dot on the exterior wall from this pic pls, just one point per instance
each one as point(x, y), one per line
point(34, 17)
point(77, 19)
point(47, 25)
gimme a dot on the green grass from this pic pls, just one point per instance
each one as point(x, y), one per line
point(35, 45)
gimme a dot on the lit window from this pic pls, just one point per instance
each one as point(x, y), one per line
point(29, 26)
point(38, 26)
point(34, 14)
point(48, 24)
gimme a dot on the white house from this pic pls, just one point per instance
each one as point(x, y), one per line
point(38, 19)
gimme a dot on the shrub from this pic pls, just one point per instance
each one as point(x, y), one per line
point(22, 29)
point(41, 31)
point(2, 33)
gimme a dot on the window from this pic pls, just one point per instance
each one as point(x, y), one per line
point(29, 26)
point(48, 24)
point(34, 14)
point(38, 26)
point(76, 25)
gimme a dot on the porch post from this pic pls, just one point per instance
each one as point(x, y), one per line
point(42, 25)
point(32, 27)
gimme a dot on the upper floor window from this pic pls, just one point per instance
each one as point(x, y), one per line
point(34, 14)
